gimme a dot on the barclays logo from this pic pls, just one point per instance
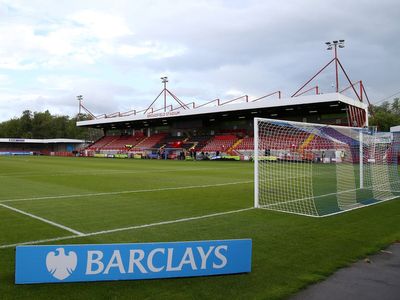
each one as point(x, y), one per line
point(61, 265)
point(101, 262)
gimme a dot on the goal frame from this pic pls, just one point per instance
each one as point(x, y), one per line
point(256, 159)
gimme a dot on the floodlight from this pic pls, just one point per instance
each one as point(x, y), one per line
point(342, 41)
point(328, 43)
point(164, 79)
point(335, 42)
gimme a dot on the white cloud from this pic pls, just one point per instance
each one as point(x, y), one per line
point(152, 49)
point(101, 25)
point(234, 93)
point(209, 49)
point(5, 80)
point(84, 37)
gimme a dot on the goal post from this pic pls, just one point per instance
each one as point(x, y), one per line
point(319, 170)
point(361, 161)
point(256, 168)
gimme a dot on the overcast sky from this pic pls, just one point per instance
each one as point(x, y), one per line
point(114, 52)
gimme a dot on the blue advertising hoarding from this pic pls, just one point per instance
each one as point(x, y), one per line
point(76, 263)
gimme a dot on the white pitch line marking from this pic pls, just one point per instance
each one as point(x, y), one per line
point(43, 220)
point(126, 192)
point(126, 228)
point(40, 241)
point(168, 222)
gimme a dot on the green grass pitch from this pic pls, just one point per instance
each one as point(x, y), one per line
point(118, 196)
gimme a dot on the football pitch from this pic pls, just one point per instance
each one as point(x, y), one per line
point(53, 200)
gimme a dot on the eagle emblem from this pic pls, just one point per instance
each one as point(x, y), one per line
point(61, 265)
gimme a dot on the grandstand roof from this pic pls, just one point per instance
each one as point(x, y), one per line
point(231, 107)
point(395, 128)
point(41, 141)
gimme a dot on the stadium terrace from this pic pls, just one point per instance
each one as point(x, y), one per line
point(226, 128)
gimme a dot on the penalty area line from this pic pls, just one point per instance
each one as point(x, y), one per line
point(42, 219)
point(126, 228)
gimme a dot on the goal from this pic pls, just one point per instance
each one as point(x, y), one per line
point(321, 170)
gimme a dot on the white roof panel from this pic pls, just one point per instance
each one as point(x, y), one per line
point(41, 141)
point(263, 103)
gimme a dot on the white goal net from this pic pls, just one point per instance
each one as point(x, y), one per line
point(320, 170)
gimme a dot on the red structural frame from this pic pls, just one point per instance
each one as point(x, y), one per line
point(338, 64)
point(166, 107)
point(355, 115)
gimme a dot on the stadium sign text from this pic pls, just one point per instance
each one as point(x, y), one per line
point(74, 263)
point(163, 114)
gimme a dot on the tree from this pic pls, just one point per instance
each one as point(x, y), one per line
point(26, 124)
point(386, 115)
point(10, 129)
point(44, 125)
point(41, 125)
point(396, 106)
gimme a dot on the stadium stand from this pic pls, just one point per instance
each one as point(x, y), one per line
point(244, 147)
point(121, 142)
point(149, 142)
point(170, 142)
point(220, 143)
point(238, 142)
point(102, 142)
point(340, 136)
point(124, 142)
point(247, 143)
point(197, 142)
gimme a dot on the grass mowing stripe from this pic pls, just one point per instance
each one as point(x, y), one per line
point(110, 172)
point(169, 222)
point(126, 228)
point(128, 192)
point(136, 191)
point(42, 219)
